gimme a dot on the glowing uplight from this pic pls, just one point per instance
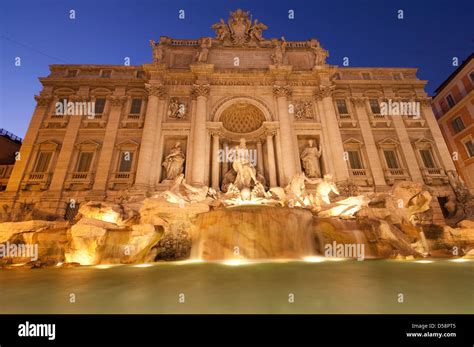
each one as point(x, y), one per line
point(109, 217)
point(336, 259)
point(83, 257)
point(188, 261)
point(59, 264)
point(233, 262)
point(314, 259)
point(143, 265)
point(104, 266)
point(459, 260)
point(424, 261)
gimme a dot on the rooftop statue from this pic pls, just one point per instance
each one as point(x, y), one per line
point(279, 51)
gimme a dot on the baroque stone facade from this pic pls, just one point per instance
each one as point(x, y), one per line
point(200, 97)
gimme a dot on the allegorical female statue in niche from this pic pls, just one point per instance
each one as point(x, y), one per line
point(174, 162)
point(310, 158)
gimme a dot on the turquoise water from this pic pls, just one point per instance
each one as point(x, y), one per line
point(347, 286)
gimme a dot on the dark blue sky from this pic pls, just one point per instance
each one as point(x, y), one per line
point(104, 32)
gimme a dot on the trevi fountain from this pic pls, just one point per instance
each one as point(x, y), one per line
point(269, 186)
point(279, 233)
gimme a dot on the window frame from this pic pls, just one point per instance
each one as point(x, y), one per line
point(68, 73)
point(397, 76)
point(448, 98)
point(456, 126)
point(140, 106)
point(37, 161)
point(131, 161)
point(395, 155)
point(469, 152)
point(105, 73)
point(378, 105)
point(345, 106)
point(79, 157)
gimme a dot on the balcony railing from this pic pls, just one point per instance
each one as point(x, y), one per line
point(37, 179)
point(379, 118)
point(397, 172)
point(80, 176)
point(80, 179)
point(123, 175)
point(346, 118)
point(358, 172)
point(37, 176)
point(10, 135)
point(434, 171)
point(134, 119)
point(121, 178)
point(5, 171)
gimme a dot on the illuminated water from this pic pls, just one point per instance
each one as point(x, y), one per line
point(441, 286)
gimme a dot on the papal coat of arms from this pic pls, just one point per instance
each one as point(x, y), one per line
point(239, 29)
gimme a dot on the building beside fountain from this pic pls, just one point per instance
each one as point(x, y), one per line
point(183, 112)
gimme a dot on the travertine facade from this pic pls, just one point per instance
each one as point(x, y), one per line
point(206, 94)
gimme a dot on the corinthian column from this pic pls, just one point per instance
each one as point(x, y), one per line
point(372, 151)
point(198, 170)
point(215, 160)
point(151, 132)
point(330, 123)
point(271, 158)
point(26, 149)
point(103, 167)
point(286, 133)
point(259, 157)
point(438, 138)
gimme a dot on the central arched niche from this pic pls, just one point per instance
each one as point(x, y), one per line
point(242, 118)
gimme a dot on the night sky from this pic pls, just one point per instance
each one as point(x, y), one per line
point(40, 32)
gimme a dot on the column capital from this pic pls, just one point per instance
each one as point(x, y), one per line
point(155, 90)
point(270, 133)
point(324, 91)
point(201, 90)
point(282, 91)
point(425, 101)
point(359, 101)
point(215, 132)
point(117, 100)
point(42, 100)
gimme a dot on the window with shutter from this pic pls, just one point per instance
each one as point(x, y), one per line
point(354, 160)
point(126, 159)
point(427, 158)
point(391, 159)
point(470, 148)
point(42, 163)
point(99, 105)
point(341, 106)
point(136, 106)
point(458, 125)
point(450, 100)
point(84, 161)
point(374, 106)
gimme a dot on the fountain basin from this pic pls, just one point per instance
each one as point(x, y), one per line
point(253, 232)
